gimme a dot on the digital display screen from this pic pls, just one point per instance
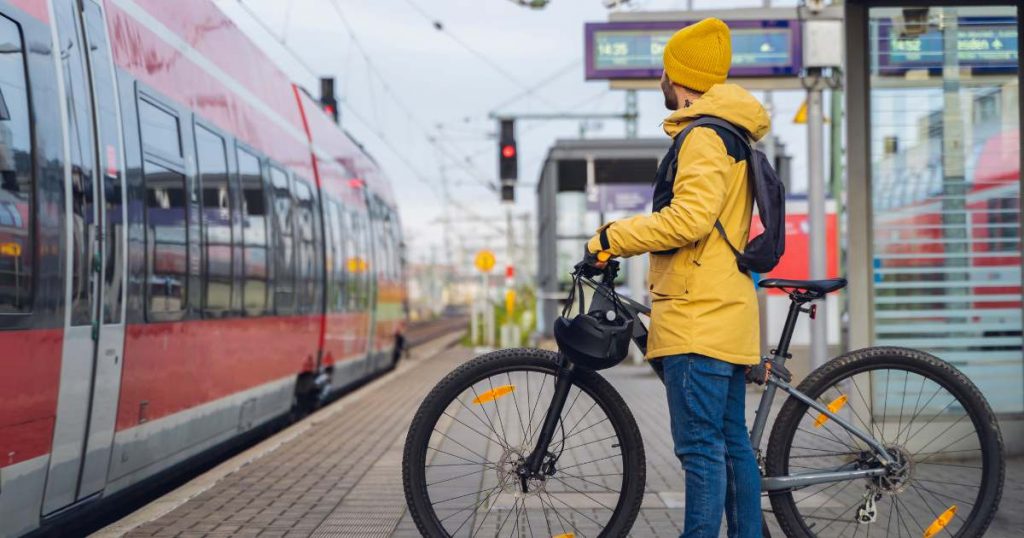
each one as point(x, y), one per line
point(633, 50)
point(984, 44)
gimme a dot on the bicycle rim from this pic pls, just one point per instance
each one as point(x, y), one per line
point(489, 427)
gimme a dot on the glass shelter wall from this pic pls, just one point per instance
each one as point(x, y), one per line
point(945, 190)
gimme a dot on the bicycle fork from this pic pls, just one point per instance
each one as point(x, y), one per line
point(563, 383)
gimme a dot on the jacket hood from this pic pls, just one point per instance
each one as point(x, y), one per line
point(727, 101)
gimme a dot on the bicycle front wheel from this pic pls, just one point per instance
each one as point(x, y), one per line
point(948, 473)
point(475, 429)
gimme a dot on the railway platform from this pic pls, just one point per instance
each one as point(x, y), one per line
point(338, 473)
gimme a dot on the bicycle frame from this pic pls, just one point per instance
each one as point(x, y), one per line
point(779, 356)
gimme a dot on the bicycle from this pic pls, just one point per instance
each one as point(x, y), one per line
point(511, 433)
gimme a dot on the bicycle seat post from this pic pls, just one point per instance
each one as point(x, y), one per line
point(781, 352)
point(779, 356)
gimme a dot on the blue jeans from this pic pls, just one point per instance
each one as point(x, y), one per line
point(706, 398)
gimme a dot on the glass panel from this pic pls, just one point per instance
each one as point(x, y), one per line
point(305, 222)
point(945, 152)
point(81, 146)
point(284, 255)
point(111, 170)
point(336, 258)
point(166, 240)
point(17, 245)
point(160, 132)
point(254, 234)
point(216, 218)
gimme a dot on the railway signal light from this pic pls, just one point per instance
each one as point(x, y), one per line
point(327, 98)
point(508, 157)
point(508, 192)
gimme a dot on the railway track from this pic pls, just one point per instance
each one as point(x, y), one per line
point(419, 333)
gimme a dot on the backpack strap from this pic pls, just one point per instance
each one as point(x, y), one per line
point(728, 126)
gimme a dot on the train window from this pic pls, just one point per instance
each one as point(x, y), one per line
point(283, 251)
point(335, 257)
point(16, 202)
point(305, 222)
point(216, 222)
point(254, 235)
point(166, 241)
point(161, 133)
point(355, 263)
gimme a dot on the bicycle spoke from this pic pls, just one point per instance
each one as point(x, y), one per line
point(471, 451)
point(903, 400)
point(481, 463)
point(574, 509)
point(591, 461)
point(515, 400)
point(471, 473)
point(947, 482)
point(885, 404)
point(497, 408)
point(612, 436)
point(941, 494)
point(918, 413)
point(557, 514)
point(488, 423)
point(468, 427)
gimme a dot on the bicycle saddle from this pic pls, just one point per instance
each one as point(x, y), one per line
point(810, 289)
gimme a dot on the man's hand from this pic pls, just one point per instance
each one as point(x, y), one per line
point(593, 262)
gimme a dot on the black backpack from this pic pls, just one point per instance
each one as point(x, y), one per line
point(763, 252)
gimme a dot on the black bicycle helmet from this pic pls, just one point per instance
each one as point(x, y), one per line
point(592, 340)
point(599, 338)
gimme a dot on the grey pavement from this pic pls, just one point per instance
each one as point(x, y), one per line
point(339, 473)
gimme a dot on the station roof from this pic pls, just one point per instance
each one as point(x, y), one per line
point(608, 148)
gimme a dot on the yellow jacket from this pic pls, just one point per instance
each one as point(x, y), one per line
point(701, 302)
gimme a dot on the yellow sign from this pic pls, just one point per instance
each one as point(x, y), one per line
point(356, 264)
point(510, 302)
point(801, 113)
point(484, 261)
point(10, 249)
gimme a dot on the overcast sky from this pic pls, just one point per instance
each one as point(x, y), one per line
point(427, 93)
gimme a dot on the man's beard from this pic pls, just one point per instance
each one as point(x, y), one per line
point(671, 100)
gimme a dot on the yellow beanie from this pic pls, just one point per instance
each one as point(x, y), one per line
point(699, 56)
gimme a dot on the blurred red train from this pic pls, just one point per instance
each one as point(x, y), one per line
point(189, 248)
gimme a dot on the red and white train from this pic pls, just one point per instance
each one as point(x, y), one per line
point(189, 247)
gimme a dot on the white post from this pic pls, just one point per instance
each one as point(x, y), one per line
point(816, 216)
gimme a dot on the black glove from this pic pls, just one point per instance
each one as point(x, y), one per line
point(590, 266)
point(759, 373)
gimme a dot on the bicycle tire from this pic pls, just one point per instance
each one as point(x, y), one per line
point(875, 359)
point(414, 461)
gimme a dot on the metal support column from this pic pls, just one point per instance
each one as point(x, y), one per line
point(816, 210)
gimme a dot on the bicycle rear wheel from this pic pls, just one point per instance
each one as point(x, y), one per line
point(480, 422)
point(927, 415)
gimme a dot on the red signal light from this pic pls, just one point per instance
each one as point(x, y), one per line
point(508, 151)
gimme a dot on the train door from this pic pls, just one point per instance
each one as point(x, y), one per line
point(95, 271)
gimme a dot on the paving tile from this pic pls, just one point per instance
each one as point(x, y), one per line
point(342, 477)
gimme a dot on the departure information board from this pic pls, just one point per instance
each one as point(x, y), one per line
point(633, 50)
point(984, 44)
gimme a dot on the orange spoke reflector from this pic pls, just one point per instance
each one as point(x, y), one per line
point(940, 522)
point(566, 535)
point(836, 405)
point(494, 394)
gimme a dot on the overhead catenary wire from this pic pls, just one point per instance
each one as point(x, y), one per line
point(470, 49)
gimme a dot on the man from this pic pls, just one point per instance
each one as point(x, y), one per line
point(704, 322)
